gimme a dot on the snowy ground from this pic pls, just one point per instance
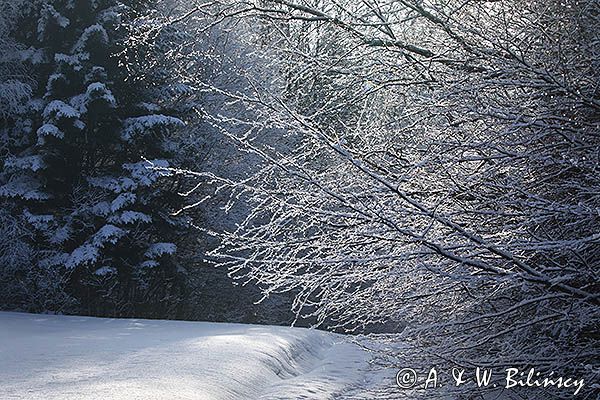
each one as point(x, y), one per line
point(67, 358)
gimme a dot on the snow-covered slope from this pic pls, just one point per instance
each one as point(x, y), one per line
point(57, 357)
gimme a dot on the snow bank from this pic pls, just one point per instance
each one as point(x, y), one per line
point(59, 357)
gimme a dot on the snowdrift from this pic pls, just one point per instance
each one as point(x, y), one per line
point(58, 357)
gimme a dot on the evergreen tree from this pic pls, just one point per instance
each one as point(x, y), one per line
point(86, 175)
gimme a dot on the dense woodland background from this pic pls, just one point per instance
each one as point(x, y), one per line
point(423, 171)
point(88, 226)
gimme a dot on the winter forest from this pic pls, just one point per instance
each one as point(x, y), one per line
point(418, 179)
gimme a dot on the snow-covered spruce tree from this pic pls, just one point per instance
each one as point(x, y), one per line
point(23, 284)
point(82, 176)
